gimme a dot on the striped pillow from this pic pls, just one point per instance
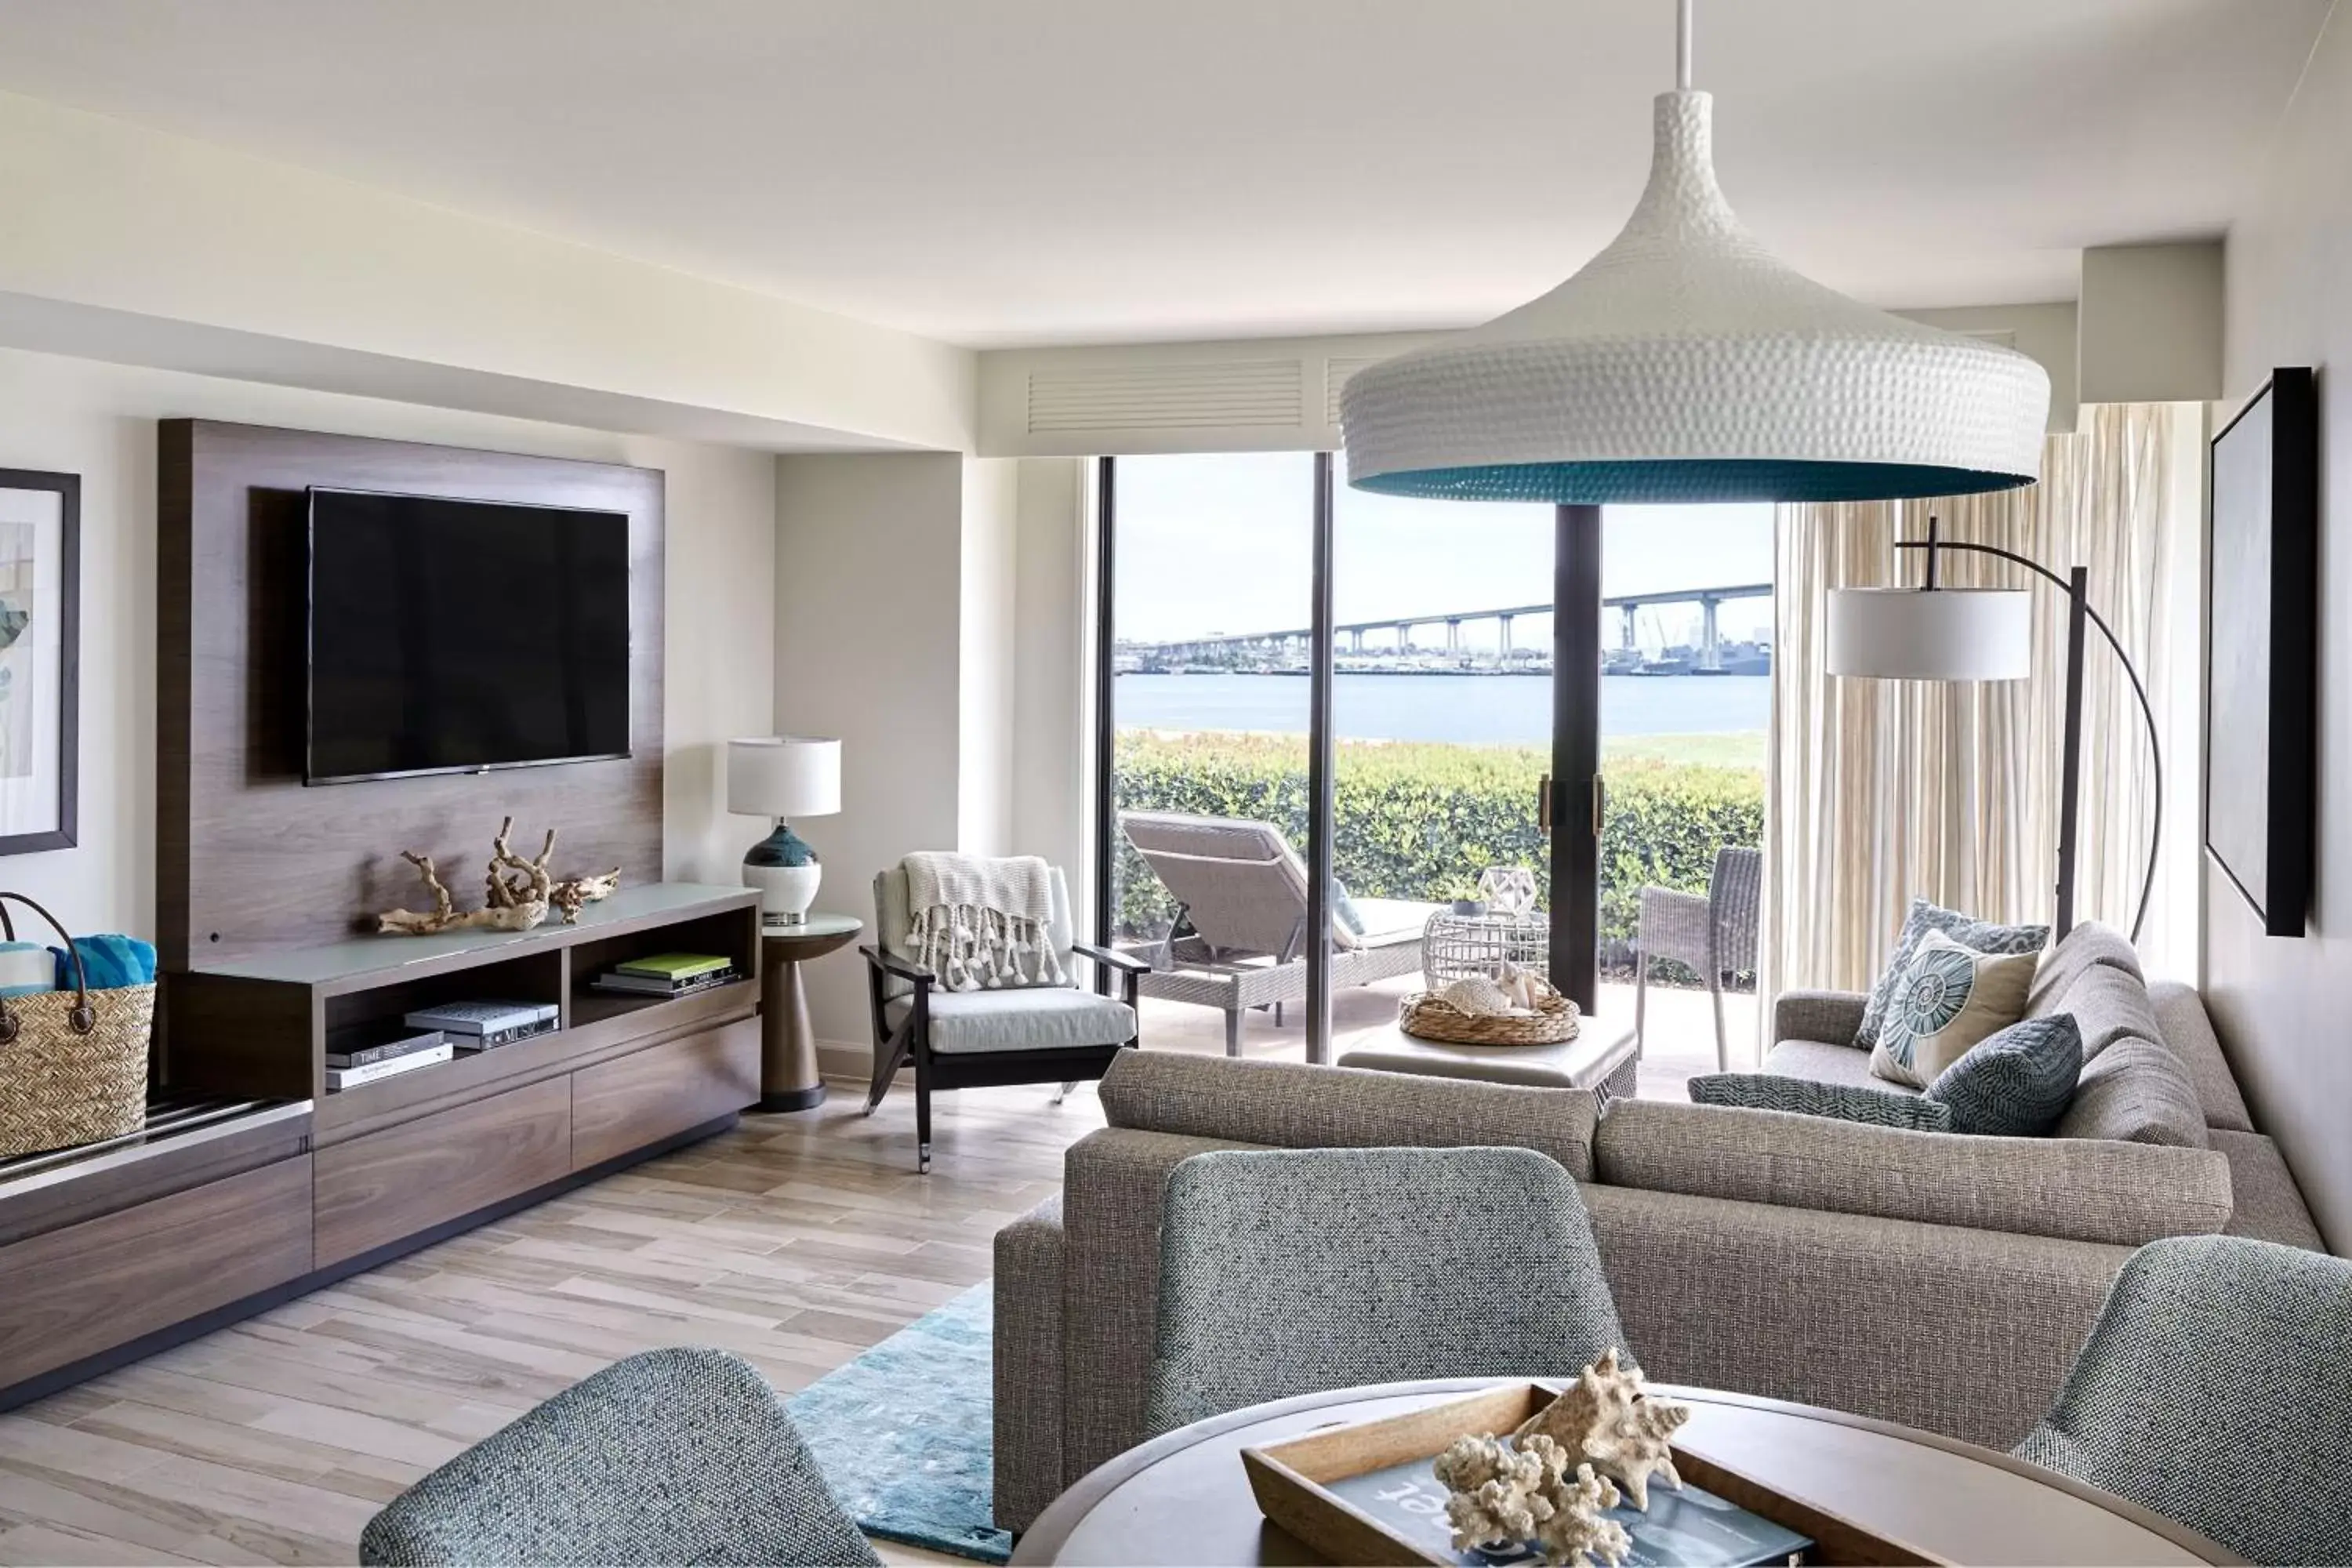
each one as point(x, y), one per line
point(2016, 1083)
point(1811, 1096)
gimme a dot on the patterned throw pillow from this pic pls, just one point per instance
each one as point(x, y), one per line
point(1949, 998)
point(2018, 1083)
point(1978, 936)
point(1811, 1096)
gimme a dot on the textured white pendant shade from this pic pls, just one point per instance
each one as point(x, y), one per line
point(1931, 634)
point(1687, 364)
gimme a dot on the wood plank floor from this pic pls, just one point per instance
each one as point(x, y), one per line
point(796, 1240)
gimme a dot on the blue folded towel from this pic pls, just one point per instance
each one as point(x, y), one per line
point(110, 961)
point(26, 969)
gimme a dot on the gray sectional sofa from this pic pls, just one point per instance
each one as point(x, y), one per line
point(1938, 1280)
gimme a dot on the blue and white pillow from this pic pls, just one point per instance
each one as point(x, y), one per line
point(1950, 999)
point(2017, 1083)
point(1978, 936)
point(1812, 1097)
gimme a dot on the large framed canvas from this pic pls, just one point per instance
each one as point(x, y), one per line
point(2261, 610)
point(40, 606)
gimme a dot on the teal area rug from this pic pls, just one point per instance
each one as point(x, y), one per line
point(906, 1433)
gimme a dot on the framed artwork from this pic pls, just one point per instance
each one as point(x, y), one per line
point(40, 657)
point(2261, 610)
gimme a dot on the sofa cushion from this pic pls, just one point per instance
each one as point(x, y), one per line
point(2122, 1194)
point(2137, 1092)
point(1031, 1018)
point(2180, 1014)
point(2107, 1004)
point(2269, 1207)
point(2088, 946)
point(1879, 1106)
point(1291, 1105)
point(2018, 1083)
point(1825, 1063)
point(1978, 936)
point(1951, 997)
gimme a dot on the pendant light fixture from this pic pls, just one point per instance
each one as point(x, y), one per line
point(1688, 364)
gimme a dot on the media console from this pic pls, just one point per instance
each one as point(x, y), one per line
point(254, 1183)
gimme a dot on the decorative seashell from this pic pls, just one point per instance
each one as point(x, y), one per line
point(1605, 1418)
point(1477, 996)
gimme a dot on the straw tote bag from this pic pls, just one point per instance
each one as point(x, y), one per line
point(73, 1066)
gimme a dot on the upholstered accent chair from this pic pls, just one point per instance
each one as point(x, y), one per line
point(2213, 1390)
point(1714, 935)
point(1296, 1270)
point(673, 1456)
point(972, 1039)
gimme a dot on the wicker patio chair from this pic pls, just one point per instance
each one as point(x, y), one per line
point(1239, 941)
point(1715, 934)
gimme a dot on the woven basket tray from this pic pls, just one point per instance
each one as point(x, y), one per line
point(1426, 1015)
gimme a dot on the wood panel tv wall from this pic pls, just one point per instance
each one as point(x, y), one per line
point(247, 858)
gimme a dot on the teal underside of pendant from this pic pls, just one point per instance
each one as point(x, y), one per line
point(782, 847)
point(1689, 481)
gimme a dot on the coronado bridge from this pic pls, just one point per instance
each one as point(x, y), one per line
point(1395, 632)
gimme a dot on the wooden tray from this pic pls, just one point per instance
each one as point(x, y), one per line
point(1289, 1478)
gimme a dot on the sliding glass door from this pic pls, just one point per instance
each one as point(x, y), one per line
point(1527, 689)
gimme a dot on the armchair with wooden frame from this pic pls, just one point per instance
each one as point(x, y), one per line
point(1063, 1035)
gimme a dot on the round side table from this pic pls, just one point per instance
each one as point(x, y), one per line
point(788, 1079)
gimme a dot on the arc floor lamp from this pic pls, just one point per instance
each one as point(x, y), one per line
point(1935, 633)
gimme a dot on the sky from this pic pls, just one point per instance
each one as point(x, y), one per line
point(1221, 543)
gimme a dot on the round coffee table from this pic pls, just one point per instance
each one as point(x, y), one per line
point(789, 1077)
point(1183, 1498)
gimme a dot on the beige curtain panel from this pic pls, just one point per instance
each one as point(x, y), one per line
point(1880, 791)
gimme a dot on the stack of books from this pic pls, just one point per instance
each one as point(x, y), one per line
point(668, 974)
point(364, 1054)
point(479, 1025)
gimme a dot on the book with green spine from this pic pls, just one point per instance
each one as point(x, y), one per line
point(673, 966)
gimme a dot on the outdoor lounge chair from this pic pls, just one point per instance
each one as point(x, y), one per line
point(1239, 941)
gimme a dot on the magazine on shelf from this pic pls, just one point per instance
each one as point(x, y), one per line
point(644, 986)
point(392, 1066)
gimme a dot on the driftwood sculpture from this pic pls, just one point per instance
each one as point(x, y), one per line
point(518, 893)
point(1605, 1418)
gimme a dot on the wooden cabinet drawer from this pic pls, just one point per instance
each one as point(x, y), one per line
point(648, 1095)
point(74, 1291)
point(389, 1185)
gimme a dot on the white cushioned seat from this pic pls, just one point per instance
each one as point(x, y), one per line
point(1388, 922)
point(1032, 1019)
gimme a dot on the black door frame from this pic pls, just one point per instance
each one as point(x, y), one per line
point(1577, 802)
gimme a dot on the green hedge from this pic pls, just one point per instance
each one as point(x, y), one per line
point(1421, 821)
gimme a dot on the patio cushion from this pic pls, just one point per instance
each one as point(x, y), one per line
point(1037, 1019)
point(1389, 922)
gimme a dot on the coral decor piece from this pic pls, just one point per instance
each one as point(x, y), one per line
point(1603, 1417)
point(1503, 1494)
point(517, 892)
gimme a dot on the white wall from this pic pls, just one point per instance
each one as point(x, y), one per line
point(98, 421)
point(1054, 686)
point(868, 646)
point(988, 631)
point(2280, 1002)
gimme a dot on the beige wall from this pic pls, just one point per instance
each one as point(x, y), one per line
point(2280, 1002)
point(98, 421)
point(869, 590)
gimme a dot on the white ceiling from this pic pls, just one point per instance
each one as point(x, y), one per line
point(998, 171)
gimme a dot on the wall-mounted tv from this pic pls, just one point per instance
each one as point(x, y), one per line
point(460, 635)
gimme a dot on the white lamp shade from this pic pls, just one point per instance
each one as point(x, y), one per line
point(1931, 634)
point(783, 775)
point(1685, 363)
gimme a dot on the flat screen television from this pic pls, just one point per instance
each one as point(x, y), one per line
point(460, 635)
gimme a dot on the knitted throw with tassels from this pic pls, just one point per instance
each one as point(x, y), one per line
point(982, 924)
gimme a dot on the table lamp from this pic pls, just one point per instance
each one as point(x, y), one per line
point(783, 776)
point(1935, 633)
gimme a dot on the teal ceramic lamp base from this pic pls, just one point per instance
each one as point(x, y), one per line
point(785, 870)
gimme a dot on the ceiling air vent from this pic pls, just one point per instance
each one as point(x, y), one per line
point(1231, 393)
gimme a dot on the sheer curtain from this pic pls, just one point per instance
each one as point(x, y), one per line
point(1880, 790)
